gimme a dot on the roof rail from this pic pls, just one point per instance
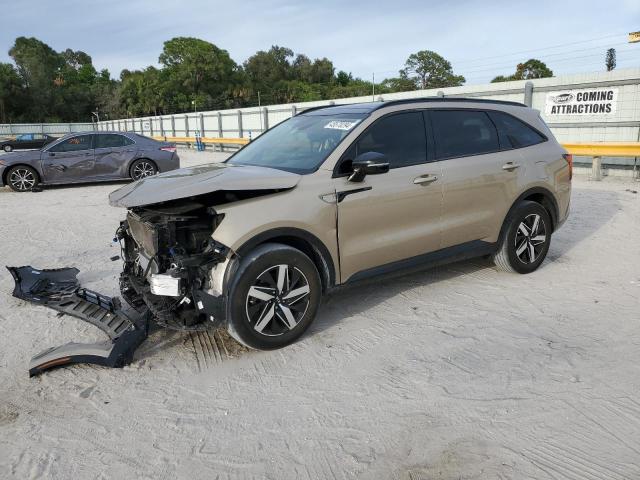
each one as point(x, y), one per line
point(379, 105)
point(449, 99)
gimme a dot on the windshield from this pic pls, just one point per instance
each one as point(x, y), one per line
point(299, 144)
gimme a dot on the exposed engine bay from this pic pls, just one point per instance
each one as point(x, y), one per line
point(168, 254)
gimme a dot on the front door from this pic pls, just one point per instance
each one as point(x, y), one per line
point(70, 160)
point(394, 216)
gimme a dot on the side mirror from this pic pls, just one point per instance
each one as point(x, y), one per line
point(368, 163)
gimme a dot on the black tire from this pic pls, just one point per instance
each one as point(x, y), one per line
point(263, 323)
point(525, 241)
point(142, 168)
point(22, 178)
point(7, 148)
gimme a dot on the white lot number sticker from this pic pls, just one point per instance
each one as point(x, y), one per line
point(341, 124)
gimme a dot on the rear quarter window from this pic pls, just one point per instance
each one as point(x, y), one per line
point(515, 133)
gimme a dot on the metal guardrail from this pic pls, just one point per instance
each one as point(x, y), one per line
point(609, 149)
point(604, 149)
point(209, 140)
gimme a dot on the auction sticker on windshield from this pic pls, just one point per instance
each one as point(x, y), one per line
point(341, 124)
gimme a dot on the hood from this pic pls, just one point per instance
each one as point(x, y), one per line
point(16, 157)
point(192, 181)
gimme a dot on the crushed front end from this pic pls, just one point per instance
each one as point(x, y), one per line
point(168, 258)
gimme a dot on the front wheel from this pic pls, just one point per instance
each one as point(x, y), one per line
point(274, 297)
point(22, 178)
point(526, 239)
point(7, 148)
point(143, 168)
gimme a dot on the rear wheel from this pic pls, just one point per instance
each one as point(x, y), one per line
point(274, 297)
point(22, 178)
point(526, 239)
point(7, 148)
point(143, 168)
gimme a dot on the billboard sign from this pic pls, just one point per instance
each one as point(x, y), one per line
point(588, 101)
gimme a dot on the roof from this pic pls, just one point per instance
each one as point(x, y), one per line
point(369, 107)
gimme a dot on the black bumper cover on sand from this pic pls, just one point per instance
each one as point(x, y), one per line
point(60, 290)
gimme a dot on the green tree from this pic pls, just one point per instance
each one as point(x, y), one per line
point(399, 84)
point(39, 67)
point(610, 60)
point(322, 71)
point(195, 70)
point(302, 68)
point(427, 69)
point(532, 68)
point(13, 96)
point(343, 78)
point(266, 69)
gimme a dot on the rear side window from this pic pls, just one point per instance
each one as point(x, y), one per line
point(400, 137)
point(514, 133)
point(458, 133)
point(110, 140)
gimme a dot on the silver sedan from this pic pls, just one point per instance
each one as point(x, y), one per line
point(88, 157)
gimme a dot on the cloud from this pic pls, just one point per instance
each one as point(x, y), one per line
point(360, 37)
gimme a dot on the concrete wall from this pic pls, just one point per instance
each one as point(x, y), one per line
point(55, 129)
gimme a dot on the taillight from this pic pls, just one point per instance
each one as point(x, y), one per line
point(171, 149)
point(569, 158)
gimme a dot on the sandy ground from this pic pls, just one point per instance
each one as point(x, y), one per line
point(461, 372)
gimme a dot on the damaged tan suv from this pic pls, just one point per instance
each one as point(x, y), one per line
point(335, 195)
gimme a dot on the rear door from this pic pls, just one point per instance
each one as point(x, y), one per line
point(70, 160)
point(477, 179)
point(393, 216)
point(113, 153)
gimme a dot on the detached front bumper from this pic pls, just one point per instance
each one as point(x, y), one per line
point(60, 290)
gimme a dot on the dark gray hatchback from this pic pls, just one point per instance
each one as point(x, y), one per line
point(88, 157)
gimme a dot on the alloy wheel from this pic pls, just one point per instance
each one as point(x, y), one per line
point(530, 238)
point(277, 300)
point(142, 170)
point(22, 179)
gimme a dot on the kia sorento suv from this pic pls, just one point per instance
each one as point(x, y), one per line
point(336, 195)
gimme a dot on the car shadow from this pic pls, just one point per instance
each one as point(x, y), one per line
point(590, 211)
point(80, 185)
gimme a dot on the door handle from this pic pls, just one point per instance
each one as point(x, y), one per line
point(510, 166)
point(425, 179)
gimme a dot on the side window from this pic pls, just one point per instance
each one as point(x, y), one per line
point(400, 137)
point(73, 144)
point(110, 140)
point(458, 133)
point(514, 133)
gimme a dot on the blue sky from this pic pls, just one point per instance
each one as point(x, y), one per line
point(481, 38)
